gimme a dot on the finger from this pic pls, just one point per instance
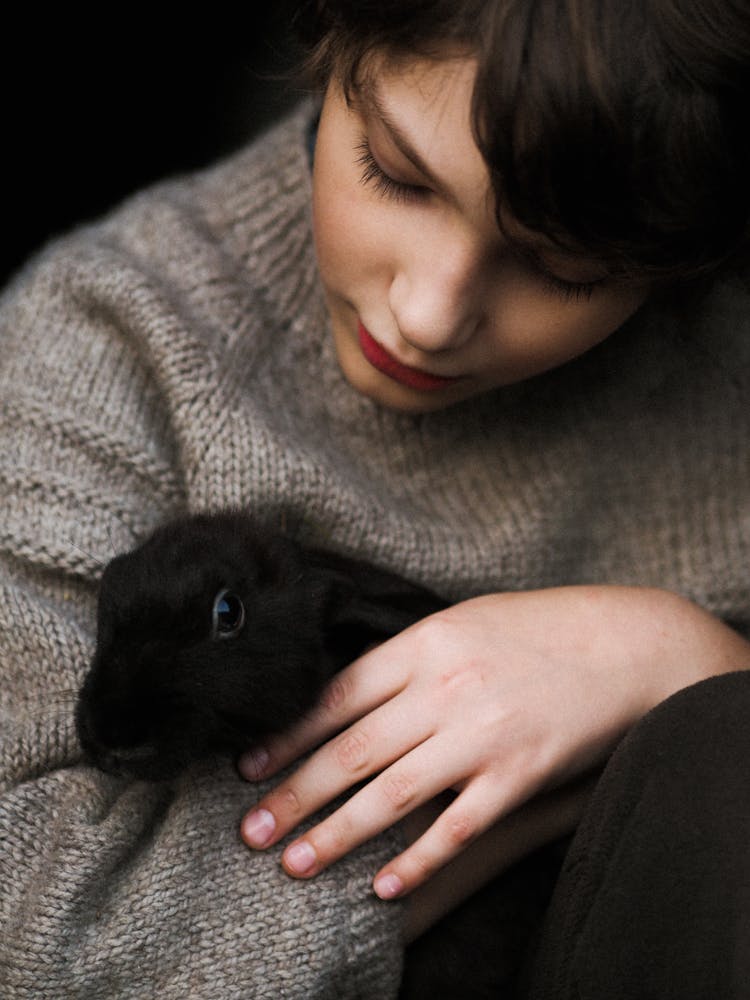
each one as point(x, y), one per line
point(469, 816)
point(351, 694)
point(540, 821)
point(402, 787)
point(373, 743)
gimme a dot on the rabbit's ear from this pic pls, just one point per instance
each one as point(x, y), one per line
point(365, 604)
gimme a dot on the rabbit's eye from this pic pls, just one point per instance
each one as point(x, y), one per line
point(228, 615)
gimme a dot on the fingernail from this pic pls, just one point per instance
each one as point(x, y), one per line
point(258, 827)
point(300, 857)
point(388, 886)
point(253, 763)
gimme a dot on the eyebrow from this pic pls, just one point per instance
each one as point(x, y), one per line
point(371, 102)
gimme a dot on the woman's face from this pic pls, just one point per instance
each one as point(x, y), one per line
point(429, 302)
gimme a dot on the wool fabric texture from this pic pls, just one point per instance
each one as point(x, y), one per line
point(176, 356)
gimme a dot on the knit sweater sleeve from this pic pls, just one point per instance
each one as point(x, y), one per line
point(112, 889)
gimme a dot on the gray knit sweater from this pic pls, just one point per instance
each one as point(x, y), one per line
point(176, 356)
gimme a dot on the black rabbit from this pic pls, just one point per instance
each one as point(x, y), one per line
point(216, 631)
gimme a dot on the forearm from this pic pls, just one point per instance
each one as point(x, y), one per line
point(694, 645)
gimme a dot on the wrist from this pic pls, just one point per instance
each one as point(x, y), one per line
point(697, 645)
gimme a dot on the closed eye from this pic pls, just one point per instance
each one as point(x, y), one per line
point(374, 176)
point(570, 290)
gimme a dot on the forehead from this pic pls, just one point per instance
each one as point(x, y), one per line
point(434, 81)
point(438, 91)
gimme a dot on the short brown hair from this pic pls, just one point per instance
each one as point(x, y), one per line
point(616, 129)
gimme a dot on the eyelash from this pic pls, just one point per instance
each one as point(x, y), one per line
point(374, 176)
point(571, 291)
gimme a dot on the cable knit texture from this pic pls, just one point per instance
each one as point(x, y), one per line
point(176, 356)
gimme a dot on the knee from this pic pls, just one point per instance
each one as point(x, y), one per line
point(690, 755)
point(707, 723)
point(661, 851)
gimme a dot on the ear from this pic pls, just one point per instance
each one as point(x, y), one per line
point(366, 604)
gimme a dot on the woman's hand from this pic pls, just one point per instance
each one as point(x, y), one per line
point(496, 698)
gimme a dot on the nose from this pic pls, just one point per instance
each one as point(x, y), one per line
point(438, 298)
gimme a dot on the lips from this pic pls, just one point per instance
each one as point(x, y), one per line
point(413, 378)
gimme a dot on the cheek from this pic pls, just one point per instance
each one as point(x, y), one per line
point(577, 328)
point(606, 317)
point(534, 332)
point(348, 227)
point(328, 226)
point(334, 221)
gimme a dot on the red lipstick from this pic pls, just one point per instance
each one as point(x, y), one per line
point(413, 378)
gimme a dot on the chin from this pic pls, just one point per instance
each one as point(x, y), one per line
point(392, 395)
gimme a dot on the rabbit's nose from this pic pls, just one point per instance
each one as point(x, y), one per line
point(121, 761)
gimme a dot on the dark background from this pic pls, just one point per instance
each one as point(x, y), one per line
point(93, 111)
